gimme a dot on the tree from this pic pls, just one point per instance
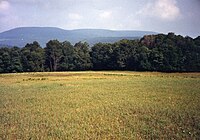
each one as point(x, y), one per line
point(197, 41)
point(102, 56)
point(67, 58)
point(53, 53)
point(82, 60)
point(143, 53)
point(5, 60)
point(124, 53)
point(33, 57)
point(169, 53)
point(156, 59)
point(16, 65)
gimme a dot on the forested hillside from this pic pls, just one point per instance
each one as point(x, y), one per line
point(20, 36)
point(167, 53)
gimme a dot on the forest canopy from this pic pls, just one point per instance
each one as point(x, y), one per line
point(165, 53)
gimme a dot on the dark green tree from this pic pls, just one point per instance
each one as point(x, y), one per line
point(53, 54)
point(67, 58)
point(168, 53)
point(197, 41)
point(103, 56)
point(142, 56)
point(5, 60)
point(82, 59)
point(16, 65)
point(32, 57)
point(124, 53)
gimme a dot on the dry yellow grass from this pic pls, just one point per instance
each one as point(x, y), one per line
point(100, 105)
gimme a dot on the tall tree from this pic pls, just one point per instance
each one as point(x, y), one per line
point(153, 52)
point(124, 53)
point(103, 56)
point(197, 41)
point(16, 65)
point(5, 60)
point(67, 58)
point(143, 53)
point(82, 59)
point(33, 57)
point(53, 53)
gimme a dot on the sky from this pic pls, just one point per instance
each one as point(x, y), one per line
point(163, 16)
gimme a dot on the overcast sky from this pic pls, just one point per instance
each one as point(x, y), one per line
point(179, 16)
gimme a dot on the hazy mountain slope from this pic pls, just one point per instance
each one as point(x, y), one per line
point(21, 36)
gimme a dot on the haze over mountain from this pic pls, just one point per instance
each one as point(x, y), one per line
point(23, 35)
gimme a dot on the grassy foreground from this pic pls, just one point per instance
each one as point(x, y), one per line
point(100, 105)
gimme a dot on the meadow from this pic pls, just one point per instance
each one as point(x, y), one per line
point(100, 105)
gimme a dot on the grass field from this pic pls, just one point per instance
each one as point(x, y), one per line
point(100, 105)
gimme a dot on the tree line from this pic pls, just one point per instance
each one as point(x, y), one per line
point(166, 53)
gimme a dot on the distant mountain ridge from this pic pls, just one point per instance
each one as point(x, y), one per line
point(23, 35)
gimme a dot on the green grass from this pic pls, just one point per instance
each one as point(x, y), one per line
point(100, 105)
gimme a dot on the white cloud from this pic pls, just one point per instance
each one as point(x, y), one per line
point(4, 6)
point(74, 16)
point(73, 21)
point(72, 25)
point(163, 9)
point(105, 14)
